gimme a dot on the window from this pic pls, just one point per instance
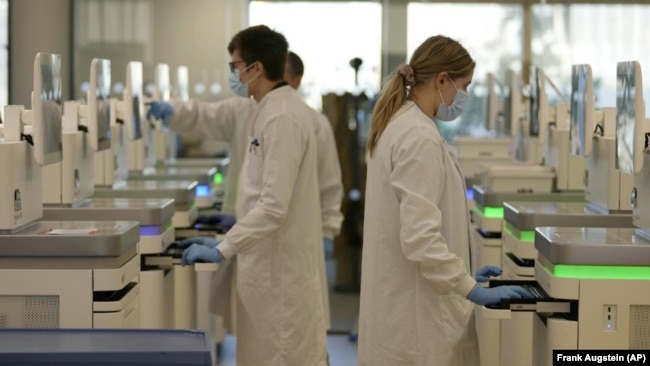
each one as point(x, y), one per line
point(327, 53)
point(4, 54)
point(599, 35)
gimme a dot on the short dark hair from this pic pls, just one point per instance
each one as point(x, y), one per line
point(296, 67)
point(261, 44)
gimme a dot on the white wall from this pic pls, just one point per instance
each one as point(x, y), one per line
point(194, 33)
point(37, 26)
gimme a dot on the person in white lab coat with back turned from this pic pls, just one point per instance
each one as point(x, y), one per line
point(415, 284)
point(330, 184)
point(277, 239)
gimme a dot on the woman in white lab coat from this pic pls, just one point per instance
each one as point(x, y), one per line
point(416, 251)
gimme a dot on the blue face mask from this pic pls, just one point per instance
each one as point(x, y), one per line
point(239, 88)
point(449, 113)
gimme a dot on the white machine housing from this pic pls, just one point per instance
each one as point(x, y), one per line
point(515, 177)
point(70, 181)
point(111, 165)
point(569, 168)
point(164, 139)
point(606, 188)
point(19, 180)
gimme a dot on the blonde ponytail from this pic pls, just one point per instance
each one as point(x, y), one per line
point(392, 97)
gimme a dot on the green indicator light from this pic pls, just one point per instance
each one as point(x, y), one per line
point(217, 178)
point(602, 272)
point(527, 236)
point(493, 212)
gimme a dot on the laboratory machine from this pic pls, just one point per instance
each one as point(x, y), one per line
point(494, 148)
point(125, 347)
point(606, 192)
point(80, 274)
point(170, 287)
point(127, 153)
point(591, 284)
point(173, 161)
point(159, 142)
point(558, 180)
point(68, 194)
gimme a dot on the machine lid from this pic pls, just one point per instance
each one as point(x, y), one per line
point(516, 170)
point(526, 216)
point(592, 247)
point(487, 198)
point(182, 192)
point(105, 346)
point(74, 239)
point(194, 162)
point(155, 211)
point(202, 175)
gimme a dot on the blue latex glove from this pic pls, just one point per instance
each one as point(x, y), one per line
point(161, 111)
point(198, 252)
point(221, 220)
point(200, 240)
point(484, 273)
point(328, 244)
point(489, 296)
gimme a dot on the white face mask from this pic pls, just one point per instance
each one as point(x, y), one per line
point(449, 113)
point(239, 88)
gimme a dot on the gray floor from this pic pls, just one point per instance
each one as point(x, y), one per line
point(344, 309)
point(341, 351)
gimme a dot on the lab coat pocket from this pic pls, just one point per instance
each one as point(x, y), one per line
point(255, 166)
point(458, 317)
point(254, 265)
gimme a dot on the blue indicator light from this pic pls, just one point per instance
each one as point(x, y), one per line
point(149, 230)
point(470, 194)
point(203, 190)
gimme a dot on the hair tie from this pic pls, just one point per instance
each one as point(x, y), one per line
point(406, 71)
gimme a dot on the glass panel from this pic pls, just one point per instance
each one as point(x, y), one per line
point(599, 35)
point(4, 55)
point(496, 48)
point(120, 31)
point(327, 53)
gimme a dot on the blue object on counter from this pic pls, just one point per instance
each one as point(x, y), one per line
point(124, 347)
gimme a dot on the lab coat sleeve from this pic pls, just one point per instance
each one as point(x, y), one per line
point(329, 179)
point(418, 178)
point(284, 141)
point(214, 121)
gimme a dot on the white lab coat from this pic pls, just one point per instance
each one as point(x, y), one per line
point(277, 240)
point(225, 121)
point(330, 186)
point(329, 177)
point(230, 121)
point(416, 252)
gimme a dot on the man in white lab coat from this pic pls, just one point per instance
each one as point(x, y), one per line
point(277, 238)
point(230, 121)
